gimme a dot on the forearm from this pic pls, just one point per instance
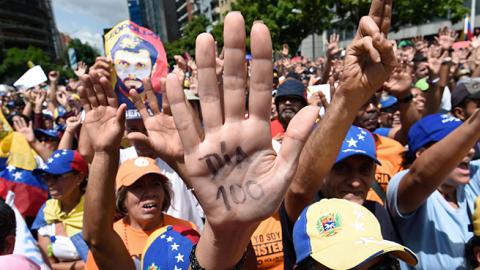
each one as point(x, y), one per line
point(37, 120)
point(319, 155)
point(435, 92)
point(476, 72)
point(433, 166)
point(84, 146)
point(67, 140)
point(100, 197)
point(27, 110)
point(326, 71)
point(40, 149)
point(69, 265)
point(52, 94)
point(223, 250)
point(408, 116)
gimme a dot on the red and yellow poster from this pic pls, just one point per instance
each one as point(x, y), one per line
point(137, 53)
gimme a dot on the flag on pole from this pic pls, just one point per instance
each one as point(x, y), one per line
point(467, 29)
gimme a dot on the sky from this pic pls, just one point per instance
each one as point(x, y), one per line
point(86, 19)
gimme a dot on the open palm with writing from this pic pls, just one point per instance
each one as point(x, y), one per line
point(237, 176)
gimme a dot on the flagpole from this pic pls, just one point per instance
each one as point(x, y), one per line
point(472, 16)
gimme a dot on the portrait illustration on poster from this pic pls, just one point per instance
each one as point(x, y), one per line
point(137, 53)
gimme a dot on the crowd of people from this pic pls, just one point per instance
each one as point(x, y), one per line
point(367, 158)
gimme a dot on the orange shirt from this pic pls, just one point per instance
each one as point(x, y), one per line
point(134, 239)
point(267, 243)
point(276, 128)
point(389, 153)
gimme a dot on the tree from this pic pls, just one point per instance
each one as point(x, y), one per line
point(186, 43)
point(83, 51)
point(15, 63)
point(290, 21)
point(405, 12)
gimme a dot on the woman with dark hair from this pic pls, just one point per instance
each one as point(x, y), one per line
point(143, 195)
point(61, 218)
point(7, 228)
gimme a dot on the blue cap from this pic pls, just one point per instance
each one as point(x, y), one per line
point(291, 88)
point(358, 141)
point(46, 132)
point(169, 247)
point(431, 128)
point(387, 101)
point(63, 161)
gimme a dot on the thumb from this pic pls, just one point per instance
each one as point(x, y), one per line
point(137, 137)
point(298, 131)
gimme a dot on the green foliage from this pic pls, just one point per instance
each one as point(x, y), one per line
point(405, 12)
point(15, 62)
point(186, 43)
point(83, 51)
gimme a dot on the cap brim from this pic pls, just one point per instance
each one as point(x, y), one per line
point(360, 252)
point(53, 171)
point(137, 175)
point(355, 154)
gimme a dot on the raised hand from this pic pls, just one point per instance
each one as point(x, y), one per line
point(400, 81)
point(81, 69)
point(333, 48)
point(237, 177)
point(446, 38)
point(162, 134)
point(103, 67)
point(39, 99)
point(73, 123)
point(435, 60)
point(370, 59)
point(27, 130)
point(104, 119)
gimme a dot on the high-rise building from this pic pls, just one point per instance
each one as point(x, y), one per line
point(157, 15)
point(26, 23)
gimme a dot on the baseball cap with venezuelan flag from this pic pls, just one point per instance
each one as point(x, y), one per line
point(342, 235)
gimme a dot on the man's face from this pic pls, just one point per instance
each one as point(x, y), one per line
point(133, 67)
point(461, 174)
point(367, 116)
point(350, 179)
point(288, 107)
point(422, 70)
point(419, 99)
point(470, 107)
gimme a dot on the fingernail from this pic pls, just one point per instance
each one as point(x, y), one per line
point(257, 21)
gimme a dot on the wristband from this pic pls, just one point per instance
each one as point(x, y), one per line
point(405, 99)
point(194, 265)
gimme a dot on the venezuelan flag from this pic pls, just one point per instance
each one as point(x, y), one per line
point(30, 191)
point(467, 29)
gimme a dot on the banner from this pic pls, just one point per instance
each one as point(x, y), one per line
point(137, 53)
point(25, 244)
point(31, 78)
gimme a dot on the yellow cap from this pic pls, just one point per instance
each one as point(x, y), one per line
point(331, 228)
point(476, 217)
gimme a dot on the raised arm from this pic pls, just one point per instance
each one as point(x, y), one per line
point(399, 85)
point(105, 122)
point(73, 123)
point(237, 176)
point(432, 167)
point(52, 90)
point(27, 131)
point(369, 61)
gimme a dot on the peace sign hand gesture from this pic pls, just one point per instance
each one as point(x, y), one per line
point(370, 59)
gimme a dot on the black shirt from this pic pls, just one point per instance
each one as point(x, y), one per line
point(289, 257)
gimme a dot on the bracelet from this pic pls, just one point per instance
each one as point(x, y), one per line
point(405, 99)
point(194, 265)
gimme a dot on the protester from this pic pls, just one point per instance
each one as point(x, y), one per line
point(60, 221)
point(7, 229)
point(338, 234)
point(431, 203)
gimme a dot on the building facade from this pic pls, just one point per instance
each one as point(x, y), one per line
point(25, 23)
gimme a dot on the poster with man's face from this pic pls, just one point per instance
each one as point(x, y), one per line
point(137, 53)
